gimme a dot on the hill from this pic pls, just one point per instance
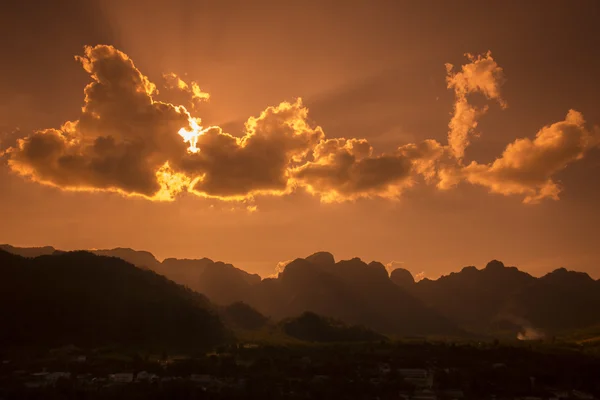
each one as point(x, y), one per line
point(28, 251)
point(496, 300)
point(351, 291)
point(240, 315)
point(311, 327)
point(88, 300)
point(503, 300)
point(559, 302)
point(222, 283)
point(474, 298)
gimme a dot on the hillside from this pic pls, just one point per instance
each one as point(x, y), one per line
point(87, 300)
point(311, 327)
point(28, 251)
point(240, 315)
point(503, 300)
point(222, 283)
point(496, 301)
point(351, 291)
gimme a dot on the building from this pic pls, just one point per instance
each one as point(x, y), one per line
point(421, 378)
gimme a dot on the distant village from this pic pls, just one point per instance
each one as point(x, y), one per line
point(257, 371)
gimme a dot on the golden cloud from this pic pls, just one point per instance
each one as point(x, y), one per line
point(192, 90)
point(126, 141)
point(526, 166)
point(481, 75)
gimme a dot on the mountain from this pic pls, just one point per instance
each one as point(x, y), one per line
point(559, 302)
point(315, 328)
point(222, 283)
point(141, 259)
point(351, 291)
point(88, 300)
point(28, 251)
point(499, 299)
point(475, 299)
point(496, 300)
point(240, 315)
point(403, 278)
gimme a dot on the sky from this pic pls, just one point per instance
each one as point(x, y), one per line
point(430, 134)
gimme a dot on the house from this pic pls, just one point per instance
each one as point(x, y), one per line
point(384, 368)
point(453, 394)
point(202, 378)
point(240, 362)
point(52, 377)
point(421, 378)
point(37, 380)
point(424, 395)
point(144, 376)
point(122, 377)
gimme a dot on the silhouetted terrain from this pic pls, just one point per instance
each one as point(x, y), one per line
point(28, 251)
point(315, 328)
point(242, 316)
point(351, 291)
point(495, 301)
point(88, 300)
point(503, 299)
point(560, 301)
point(222, 283)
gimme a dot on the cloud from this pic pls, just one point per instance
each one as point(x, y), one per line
point(530, 333)
point(256, 163)
point(392, 265)
point(346, 169)
point(121, 141)
point(527, 166)
point(8, 140)
point(420, 276)
point(125, 140)
point(279, 268)
point(192, 90)
point(481, 75)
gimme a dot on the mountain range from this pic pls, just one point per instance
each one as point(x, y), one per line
point(494, 301)
point(87, 300)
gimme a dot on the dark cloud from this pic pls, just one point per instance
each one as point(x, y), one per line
point(345, 169)
point(121, 139)
point(258, 162)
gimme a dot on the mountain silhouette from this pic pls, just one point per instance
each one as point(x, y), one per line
point(403, 278)
point(495, 300)
point(241, 316)
point(351, 291)
point(559, 302)
point(141, 259)
point(315, 328)
point(88, 300)
point(28, 251)
point(222, 283)
point(473, 298)
point(503, 299)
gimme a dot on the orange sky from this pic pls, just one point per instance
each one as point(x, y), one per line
point(364, 72)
